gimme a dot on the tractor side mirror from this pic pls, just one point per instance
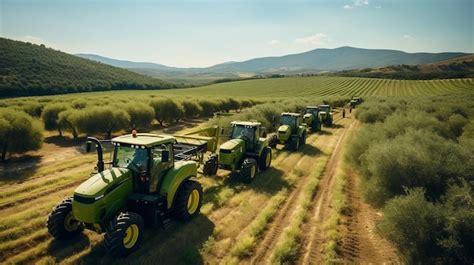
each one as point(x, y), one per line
point(222, 130)
point(88, 146)
point(165, 155)
point(264, 132)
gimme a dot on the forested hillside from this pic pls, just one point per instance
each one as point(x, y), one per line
point(27, 69)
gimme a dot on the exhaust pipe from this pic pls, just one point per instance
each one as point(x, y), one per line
point(98, 146)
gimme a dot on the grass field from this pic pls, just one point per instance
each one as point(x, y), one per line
point(291, 213)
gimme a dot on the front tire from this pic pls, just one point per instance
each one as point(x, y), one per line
point(248, 171)
point(61, 223)
point(124, 234)
point(295, 143)
point(188, 201)
point(265, 159)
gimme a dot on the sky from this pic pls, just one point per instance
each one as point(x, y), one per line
point(199, 33)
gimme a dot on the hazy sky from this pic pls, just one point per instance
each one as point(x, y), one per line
point(202, 33)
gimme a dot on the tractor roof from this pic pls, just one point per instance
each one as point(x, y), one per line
point(312, 107)
point(246, 123)
point(291, 114)
point(144, 139)
point(324, 106)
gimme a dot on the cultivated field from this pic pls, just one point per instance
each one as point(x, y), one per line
point(306, 209)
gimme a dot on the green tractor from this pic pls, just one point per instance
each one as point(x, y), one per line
point(312, 119)
point(292, 130)
point(246, 151)
point(355, 101)
point(325, 114)
point(149, 178)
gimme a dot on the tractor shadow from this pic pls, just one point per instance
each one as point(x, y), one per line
point(64, 141)
point(175, 243)
point(335, 126)
point(324, 132)
point(62, 249)
point(309, 150)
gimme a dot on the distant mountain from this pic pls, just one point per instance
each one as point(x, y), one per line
point(343, 58)
point(27, 69)
point(458, 67)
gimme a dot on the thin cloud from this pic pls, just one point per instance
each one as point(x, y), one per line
point(378, 7)
point(408, 37)
point(316, 39)
point(356, 3)
point(33, 39)
point(273, 42)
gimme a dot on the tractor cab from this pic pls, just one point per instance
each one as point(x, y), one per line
point(325, 114)
point(311, 118)
point(313, 110)
point(248, 131)
point(147, 156)
point(292, 120)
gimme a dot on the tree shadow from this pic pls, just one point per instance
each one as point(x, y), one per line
point(324, 132)
point(63, 141)
point(336, 125)
point(175, 243)
point(19, 168)
point(269, 181)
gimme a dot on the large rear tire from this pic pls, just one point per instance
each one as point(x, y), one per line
point(303, 139)
point(188, 201)
point(124, 234)
point(248, 170)
point(265, 159)
point(211, 166)
point(61, 223)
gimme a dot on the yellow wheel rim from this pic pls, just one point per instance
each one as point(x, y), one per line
point(253, 171)
point(193, 201)
point(70, 224)
point(131, 236)
point(267, 160)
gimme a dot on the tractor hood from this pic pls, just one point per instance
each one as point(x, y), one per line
point(101, 182)
point(284, 133)
point(308, 118)
point(232, 144)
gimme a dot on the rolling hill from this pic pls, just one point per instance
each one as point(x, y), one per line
point(27, 69)
point(317, 60)
point(459, 67)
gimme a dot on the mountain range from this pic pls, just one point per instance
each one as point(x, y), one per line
point(317, 60)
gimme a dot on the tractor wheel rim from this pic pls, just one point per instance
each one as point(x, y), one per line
point(131, 236)
point(252, 172)
point(70, 224)
point(193, 201)
point(267, 160)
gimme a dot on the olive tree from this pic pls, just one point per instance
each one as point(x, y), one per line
point(50, 116)
point(141, 115)
point(191, 109)
point(167, 110)
point(19, 132)
point(68, 120)
point(102, 120)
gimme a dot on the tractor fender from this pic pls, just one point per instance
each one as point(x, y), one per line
point(301, 130)
point(175, 177)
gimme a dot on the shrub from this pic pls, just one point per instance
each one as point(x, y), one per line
point(208, 107)
point(19, 132)
point(68, 120)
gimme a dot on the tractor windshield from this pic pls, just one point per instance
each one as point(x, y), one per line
point(326, 109)
point(133, 158)
point(288, 120)
point(312, 111)
point(243, 132)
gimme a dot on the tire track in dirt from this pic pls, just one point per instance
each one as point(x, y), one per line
point(360, 243)
point(313, 235)
point(283, 217)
